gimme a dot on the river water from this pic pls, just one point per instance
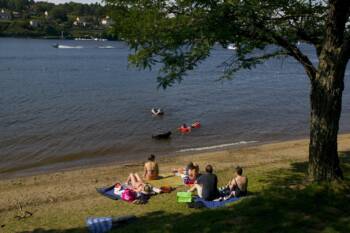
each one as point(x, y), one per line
point(82, 105)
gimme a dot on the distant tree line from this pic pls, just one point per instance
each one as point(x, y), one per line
point(70, 8)
point(53, 19)
point(16, 5)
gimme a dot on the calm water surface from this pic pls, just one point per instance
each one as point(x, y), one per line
point(61, 108)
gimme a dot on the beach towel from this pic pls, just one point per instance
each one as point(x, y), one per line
point(108, 192)
point(214, 204)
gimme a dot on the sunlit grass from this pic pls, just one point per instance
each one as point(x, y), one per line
point(282, 200)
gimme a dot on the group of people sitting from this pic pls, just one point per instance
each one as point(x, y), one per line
point(204, 184)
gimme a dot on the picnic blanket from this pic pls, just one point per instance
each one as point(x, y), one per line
point(108, 192)
point(214, 204)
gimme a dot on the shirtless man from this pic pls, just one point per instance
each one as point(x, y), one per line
point(151, 170)
point(206, 185)
point(238, 185)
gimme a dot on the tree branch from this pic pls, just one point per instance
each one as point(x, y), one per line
point(293, 51)
point(235, 65)
point(298, 55)
point(317, 42)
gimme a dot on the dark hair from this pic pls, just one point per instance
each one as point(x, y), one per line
point(147, 188)
point(239, 170)
point(196, 167)
point(151, 157)
point(189, 166)
point(209, 168)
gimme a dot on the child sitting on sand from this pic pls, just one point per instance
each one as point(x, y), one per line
point(189, 174)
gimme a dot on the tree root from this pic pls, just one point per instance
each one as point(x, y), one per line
point(23, 213)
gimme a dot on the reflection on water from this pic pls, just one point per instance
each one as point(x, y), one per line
point(71, 107)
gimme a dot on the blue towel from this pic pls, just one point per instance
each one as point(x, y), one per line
point(108, 192)
point(215, 204)
point(99, 225)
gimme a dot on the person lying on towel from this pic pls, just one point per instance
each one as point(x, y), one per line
point(135, 183)
point(206, 185)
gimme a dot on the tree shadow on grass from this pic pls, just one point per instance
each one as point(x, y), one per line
point(73, 230)
point(345, 162)
point(279, 207)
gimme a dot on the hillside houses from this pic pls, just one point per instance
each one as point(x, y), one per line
point(48, 20)
point(107, 21)
point(5, 15)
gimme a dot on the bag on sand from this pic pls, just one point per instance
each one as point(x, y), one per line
point(184, 197)
point(166, 189)
point(129, 195)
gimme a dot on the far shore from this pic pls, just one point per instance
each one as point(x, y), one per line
point(52, 196)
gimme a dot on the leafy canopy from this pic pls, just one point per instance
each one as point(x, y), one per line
point(179, 34)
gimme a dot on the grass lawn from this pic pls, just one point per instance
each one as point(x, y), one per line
point(282, 201)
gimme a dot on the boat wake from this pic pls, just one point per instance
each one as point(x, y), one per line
point(106, 47)
point(231, 47)
point(68, 47)
point(217, 146)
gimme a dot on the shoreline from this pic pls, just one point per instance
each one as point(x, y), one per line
point(169, 158)
point(37, 170)
point(236, 146)
point(52, 38)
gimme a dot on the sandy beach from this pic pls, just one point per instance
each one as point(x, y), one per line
point(49, 196)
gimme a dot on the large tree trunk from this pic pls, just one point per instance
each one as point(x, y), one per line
point(327, 87)
point(326, 101)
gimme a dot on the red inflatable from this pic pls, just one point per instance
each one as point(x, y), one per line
point(196, 125)
point(185, 129)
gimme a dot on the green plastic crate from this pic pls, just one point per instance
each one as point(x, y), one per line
point(183, 197)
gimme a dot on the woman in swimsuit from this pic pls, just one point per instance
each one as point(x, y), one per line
point(135, 183)
point(151, 169)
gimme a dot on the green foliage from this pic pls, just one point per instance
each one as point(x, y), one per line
point(59, 13)
point(16, 5)
point(60, 18)
point(3, 26)
point(180, 34)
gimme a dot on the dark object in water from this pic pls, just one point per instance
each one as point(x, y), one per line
point(162, 135)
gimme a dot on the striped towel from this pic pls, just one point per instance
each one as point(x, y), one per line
point(99, 225)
